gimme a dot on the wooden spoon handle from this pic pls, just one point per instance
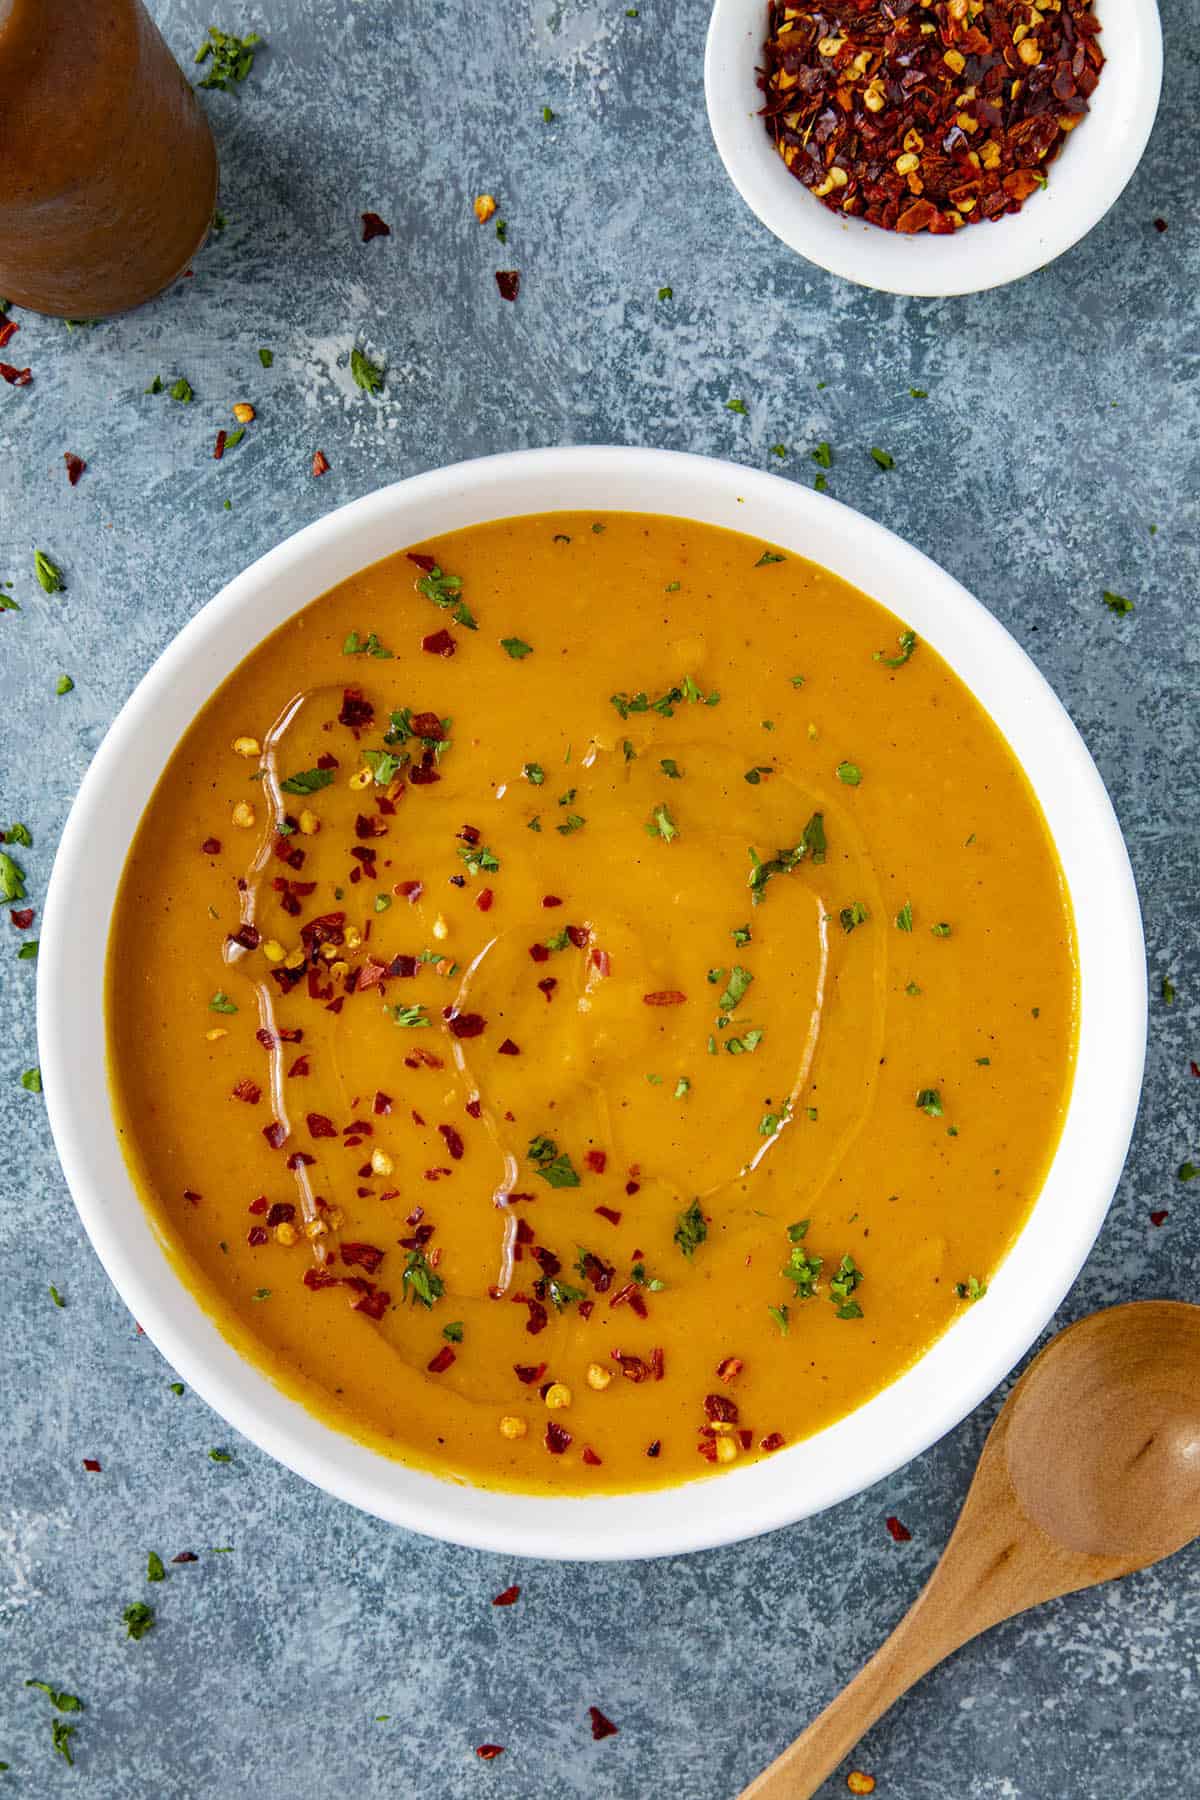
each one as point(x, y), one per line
point(913, 1648)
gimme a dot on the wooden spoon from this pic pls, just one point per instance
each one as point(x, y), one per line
point(1092, 1470)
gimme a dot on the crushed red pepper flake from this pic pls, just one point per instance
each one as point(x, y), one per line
point(219, 447)
point(508, 1048)
point(859, 1782)
point(509, 1597)
point(186, 1556)
point(557, 1438)
point(439, 643)
point(1160, 1217)
point(509, 283)
point(774, 1440)
point(92, 1465)
point(665, 997)
point(437, 1365)
point(489, 1752)
point(602, 1727)
point(320, 463)
point(899, 1533)
point(8, 329)
point(373, 227)
point(925, 118)
point(211, 846)
point(15, 377)
point(22, 918)
point(75, 466)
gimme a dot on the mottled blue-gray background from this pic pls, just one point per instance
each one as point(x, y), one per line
point(1062, 425)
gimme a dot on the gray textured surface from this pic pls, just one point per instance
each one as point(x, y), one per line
point(1062, 421)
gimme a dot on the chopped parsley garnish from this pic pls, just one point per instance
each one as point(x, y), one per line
point(367, 375)
point(691, 1229)
point(266, 357)
point(852, 915)
point(17, 834)
point(31, 1081)
point(737, 406)
point(755, 775)
point(666, 293)
point(740, 935)
point(572, 822)
point(12, 878)
point(139, 1619)
point(812, 845)
point(802, 1269)
point(358, 646)
point(739, 981)
point(479, 859)
point(769, 556)
point(552, 1164)
point(908, 643)
point(941, 929)
point(842, 1286)
point(850, 773)
point(983, 1062)
point(60, 1738)
point(534, 774)
point(559, 941)
point(420, 1283)
point(219, 1456)
point(912, 989)
point(28, 951)
point(67, 1703)
point(881, 459)
point(823, 455)
point(661, 824)
point(402, 729)
point(683, 1088)
point(63, 685)
point(517, 648)
point(453, 1333)
point(1117, 603)
point(383, 765)
point(746, 1044)
point(562, 1294)
point(154, 1567)
point(665, 705)
point(56, 1296)
point(1167, 989)
point(971, 1289)
point(232, 58)
point(771, 1122)
point(50, 576)
point(929, 1100)
point(904, 918)
point(446, 591)
point(410, 1017)
point(307, 781)
point(1187, 1171)
point(670, 768)
point(182, 391)
point(779, 450)
point(221, 1003)
point(782, 1318)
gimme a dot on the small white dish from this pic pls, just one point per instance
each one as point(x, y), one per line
point(1093, 168)
point(979, 1349)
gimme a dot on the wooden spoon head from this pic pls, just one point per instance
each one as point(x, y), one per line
point(1103, 1434)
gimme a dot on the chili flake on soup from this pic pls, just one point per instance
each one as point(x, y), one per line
point(590, 1000)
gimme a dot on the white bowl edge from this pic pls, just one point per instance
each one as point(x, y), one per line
point(979, 1349)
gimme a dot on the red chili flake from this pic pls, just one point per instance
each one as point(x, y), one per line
point(601, 1727)
point(719, 1409)
point(509, 283)
point(193, 1196)
point(557, 1438)
point(453, 1141)
point(1160, 1217)
point(301, 1066)
point(374, 1303)
point(300, 1159)
point(631, 1367)
point(92, 1465)
point(319, 1126)
point(219, 447)
point(356, 711)
point(282, 1213)
point(428, 563)
point(466, 1025)
point(609, 1213)
point(275, 1134)
point(373, 227)
point(602, 962)
point(257, 1236)
point(774, 1440)
point(1159, 225)
point(509, 1597)
point(551, 900)
point(362, 1256)
point(437, 1365)
point(528, 1373)
point(484, 899)
point(590, 1458)
point(895, 146)
point(657, 1363)
point(596, 1160)
point(185, 1556)
point(667, 997)
point(246, 937)
point(247, 1090)
point(474, 1108)
point(745, 1438)
point(633, 1187)
point(539, 953)
point(508, 1048)
point(439, 643)
point(15, 377)
point(578, 935)
point(729, 1368)
point(75, 464)
point(320, 463)
point(899, 1533)
point(654, 1449)
point(8, 329)
point(538, 1318)
point(211, 846)
point(489, 1752)
point(23, 918)
point(260, 1205)
point(1195, 1068)
point(382, 1104)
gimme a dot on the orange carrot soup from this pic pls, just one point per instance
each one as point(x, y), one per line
point(590, 1001)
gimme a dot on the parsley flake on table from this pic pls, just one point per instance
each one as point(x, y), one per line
point(1187, 1171)
point(666, 293)
point(1167, 988)
point(31, 1081)
point(842, 1286)
point(17, 834)
point(219, 1456)
point(736, 406)
point(691, 1229)
point(881, 459)
point(64, 685)
point(12, 878)
point(50, 576)
point(138, 1617)
point(181, 390)
point(56, 1296)
point(779, 450)
point(154, 1567)
point(67, 1703)
point(367, 375)
point(1117, 603)
point(230, 58)
point(60, 1738)
point(822, 455)
point(266, 357)
point(552, 1164)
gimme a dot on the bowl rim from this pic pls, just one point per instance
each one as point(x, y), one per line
point(1080, 191)
point(978, 1349)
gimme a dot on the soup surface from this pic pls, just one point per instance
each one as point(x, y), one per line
point(590, 1000)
